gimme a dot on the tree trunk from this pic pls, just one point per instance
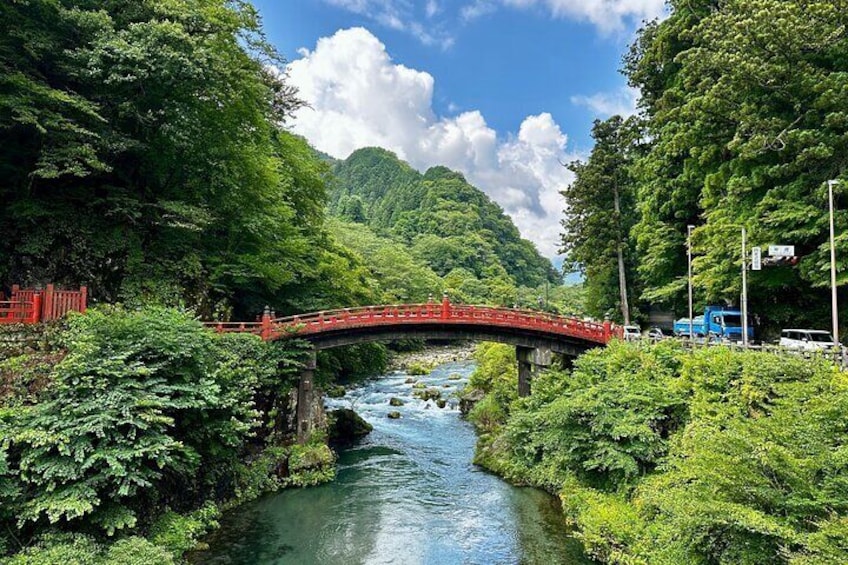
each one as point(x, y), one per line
point(622, 276)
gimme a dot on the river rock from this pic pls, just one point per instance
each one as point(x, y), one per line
point(455, 377)
point(419, 385)
point(441, 403)
point(394, 415)
point(469, 398)
point(410, 381)
point(446, 385)
point(344, 426)
point(395, 401)
point(428, 394)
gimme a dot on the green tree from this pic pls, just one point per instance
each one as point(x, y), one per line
point(600, 213)
point(745, 103)
point(145, 406)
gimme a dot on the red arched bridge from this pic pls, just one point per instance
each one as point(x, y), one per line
point(523, 328)
point(536, 335)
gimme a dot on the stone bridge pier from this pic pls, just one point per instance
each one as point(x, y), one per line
point(531, 360)
point(305, 398)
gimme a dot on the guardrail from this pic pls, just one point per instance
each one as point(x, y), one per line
point(838, 356)
point(429, 313)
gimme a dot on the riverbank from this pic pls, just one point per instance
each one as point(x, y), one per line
point(663, 456)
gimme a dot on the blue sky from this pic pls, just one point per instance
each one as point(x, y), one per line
point(503, 90)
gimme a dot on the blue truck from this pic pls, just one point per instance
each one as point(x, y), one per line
point(717, 322)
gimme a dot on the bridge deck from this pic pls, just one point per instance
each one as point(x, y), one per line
point(442, 314)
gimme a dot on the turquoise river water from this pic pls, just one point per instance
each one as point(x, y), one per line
point(406, 494)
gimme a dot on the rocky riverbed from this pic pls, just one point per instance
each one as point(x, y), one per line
point(433, 356)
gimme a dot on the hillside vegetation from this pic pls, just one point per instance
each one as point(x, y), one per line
point(446, 224)
point(665, 457)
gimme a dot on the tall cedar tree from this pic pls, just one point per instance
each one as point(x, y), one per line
point(601, 210)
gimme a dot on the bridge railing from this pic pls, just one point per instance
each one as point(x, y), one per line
point(435, 313)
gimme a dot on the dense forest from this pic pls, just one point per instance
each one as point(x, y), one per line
point(742, 120)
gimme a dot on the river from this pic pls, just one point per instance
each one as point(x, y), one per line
point(406, 494)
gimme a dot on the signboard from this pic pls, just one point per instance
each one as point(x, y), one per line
point(756, 259)
point(781, 250)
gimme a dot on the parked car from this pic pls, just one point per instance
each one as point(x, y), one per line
point(632, 333)
point(655, 333)
point(808, 340)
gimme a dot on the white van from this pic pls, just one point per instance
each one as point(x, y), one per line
point(808, 340)
point(632, 333)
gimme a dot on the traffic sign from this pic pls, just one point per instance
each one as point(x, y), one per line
point(781, 250)
point(756, 259)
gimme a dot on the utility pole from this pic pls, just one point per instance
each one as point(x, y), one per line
point(830, 185)
point(689, 229)
point(744, 290)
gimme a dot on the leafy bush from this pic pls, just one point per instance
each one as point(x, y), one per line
point(78, 549)
point(145, 405)
point(665, 457)
point(179, 533)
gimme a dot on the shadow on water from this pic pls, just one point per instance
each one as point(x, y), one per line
point(407, 493)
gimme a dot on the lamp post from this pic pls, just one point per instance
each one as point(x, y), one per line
point(830, 185)
point(689, 229)
point(744, 290)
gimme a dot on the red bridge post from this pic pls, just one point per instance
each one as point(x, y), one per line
point(445, 306)
point(607, 329)
point(266, 324)
point(35, 315)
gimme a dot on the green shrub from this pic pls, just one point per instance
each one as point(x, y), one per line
point(78, 549)
point(663, 457)
point(179, 533)
point(142, 400)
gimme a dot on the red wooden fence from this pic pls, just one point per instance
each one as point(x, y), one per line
point(29, 305)
point(20, 311)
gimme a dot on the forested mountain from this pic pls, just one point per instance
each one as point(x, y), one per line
point(744, 119)
point(446, 223)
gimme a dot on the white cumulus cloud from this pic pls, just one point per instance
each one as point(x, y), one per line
point(607, 15)
point(359, 97)
point(622, 102)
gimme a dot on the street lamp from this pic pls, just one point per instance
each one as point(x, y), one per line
point(744, 290)
point(689, 229)
point(744, 300)
point(830, 185)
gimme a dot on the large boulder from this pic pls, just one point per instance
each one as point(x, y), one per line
point(345, 426)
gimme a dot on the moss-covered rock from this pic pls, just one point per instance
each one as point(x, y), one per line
point(344, 426)
point(393, 415)
point(420, 368)
point(428, 394)
point(395, 401)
